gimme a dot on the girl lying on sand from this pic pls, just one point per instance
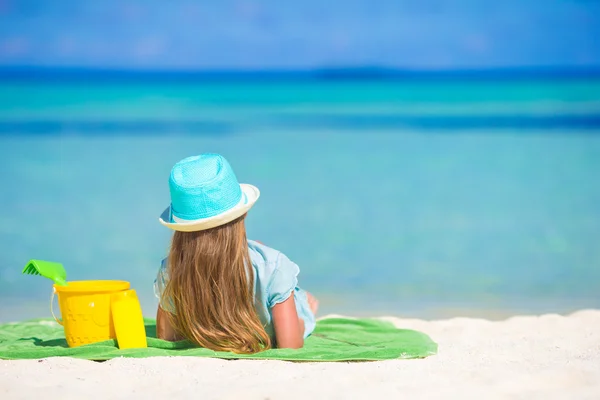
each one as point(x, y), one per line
point(216, 288)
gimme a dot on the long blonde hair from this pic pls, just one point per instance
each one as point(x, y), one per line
point(211, 286)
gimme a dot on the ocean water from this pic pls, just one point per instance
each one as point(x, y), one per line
point(424, 199)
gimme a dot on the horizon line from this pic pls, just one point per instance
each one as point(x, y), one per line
point(31, 72)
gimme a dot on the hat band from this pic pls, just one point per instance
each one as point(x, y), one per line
point(173, 218)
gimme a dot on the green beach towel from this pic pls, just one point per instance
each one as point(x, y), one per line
point(334, 339)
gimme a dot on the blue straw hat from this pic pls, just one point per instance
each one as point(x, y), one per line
point(205, 193)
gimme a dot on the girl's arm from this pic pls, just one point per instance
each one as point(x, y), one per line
point(289, 329)
point(164, 329)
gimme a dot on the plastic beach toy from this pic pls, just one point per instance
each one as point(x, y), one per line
point(128, 320)
point(93, 311)
point(48, 269)
point(85, 307)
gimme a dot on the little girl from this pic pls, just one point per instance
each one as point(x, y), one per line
point(216, 288)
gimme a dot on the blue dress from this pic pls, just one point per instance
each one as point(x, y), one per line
point(275, 279)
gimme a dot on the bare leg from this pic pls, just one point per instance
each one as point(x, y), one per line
point(313, 303)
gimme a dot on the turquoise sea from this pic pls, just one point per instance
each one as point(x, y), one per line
point(424, 199)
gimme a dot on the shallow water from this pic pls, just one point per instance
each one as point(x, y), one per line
point(409, 199)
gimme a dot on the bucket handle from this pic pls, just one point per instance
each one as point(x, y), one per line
point(52, 306)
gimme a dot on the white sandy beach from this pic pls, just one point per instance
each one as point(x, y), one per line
point(523, 357)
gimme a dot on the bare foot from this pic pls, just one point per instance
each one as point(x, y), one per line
point(313, 303)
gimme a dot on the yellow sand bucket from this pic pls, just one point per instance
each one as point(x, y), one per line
point(86, 310)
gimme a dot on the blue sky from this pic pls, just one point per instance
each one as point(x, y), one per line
point(270, 34)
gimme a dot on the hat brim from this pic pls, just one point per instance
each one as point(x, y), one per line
point(249, 193)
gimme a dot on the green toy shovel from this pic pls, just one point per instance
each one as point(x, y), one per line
point(51, 270)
